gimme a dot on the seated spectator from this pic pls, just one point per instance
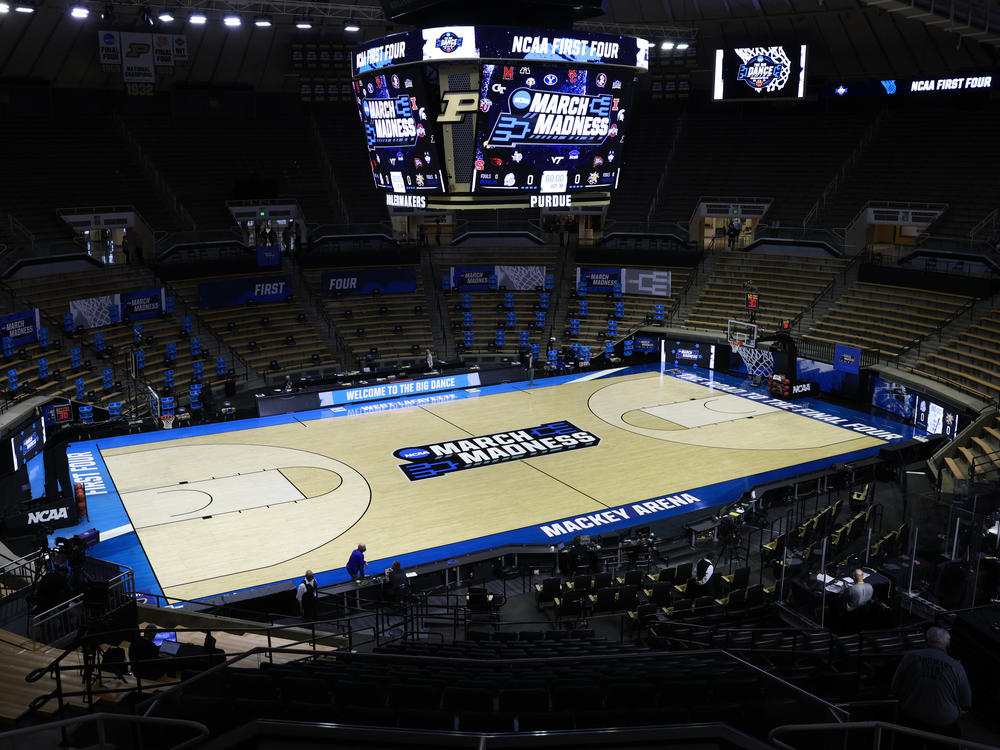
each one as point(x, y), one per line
point(143, 655)
point(857, 595)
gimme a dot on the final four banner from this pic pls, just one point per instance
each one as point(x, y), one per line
point(233, 292)
point(359, 281)
point(22, 327)
point(598, 279)
point(148, 303)
point(472, 278)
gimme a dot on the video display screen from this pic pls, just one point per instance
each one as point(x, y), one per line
point(28, 442)
point(894, 398)
point(935, 418)
point(402, 147)
point(550, 128)
point(775, 72)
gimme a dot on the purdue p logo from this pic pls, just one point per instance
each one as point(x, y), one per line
point(454, 105)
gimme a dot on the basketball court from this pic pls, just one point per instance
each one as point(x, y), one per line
point(223, 508)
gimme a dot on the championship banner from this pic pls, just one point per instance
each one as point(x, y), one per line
point(268, 255)
point(520, 278)
point(93, 312)
point(232, 292)
point(22, 327)
point(137, 65)
point(148, 303)
point(360, 281)
point(598, 279)
point(109, 48)
point(163, 50)
point(646, 281)
point(472, 278)
point(180, 48)
point(847, 358)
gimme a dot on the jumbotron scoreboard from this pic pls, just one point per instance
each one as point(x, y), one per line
point(491, 117)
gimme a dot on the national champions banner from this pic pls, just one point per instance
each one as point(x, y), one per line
point(148, 303)
point(21, 328)
point(94, 312)
point(359, 281)
point(598, 279)
point(472, 278)
point(137, 62)
point(233, 292)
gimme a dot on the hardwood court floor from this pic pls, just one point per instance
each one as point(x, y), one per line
point(226, 511)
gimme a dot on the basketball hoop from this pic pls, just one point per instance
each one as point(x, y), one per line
point(167, 420)
point(759, 362)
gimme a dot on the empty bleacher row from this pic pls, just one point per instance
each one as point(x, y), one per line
point(710, 162)
point(787, 284)
point(269, 337)
point(499, 320)
point(586, 683)
point(597, 319)
point(269, 156)
point(102, 174)
point(969, 360)
point(378, 326)
point(84, 354)
point(888, 318)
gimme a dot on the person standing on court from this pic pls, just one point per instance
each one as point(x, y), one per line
point(307, 593)
point(356, 563)
point(932, 688)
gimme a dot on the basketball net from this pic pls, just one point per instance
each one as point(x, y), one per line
point(168, 421)
point(759, 362)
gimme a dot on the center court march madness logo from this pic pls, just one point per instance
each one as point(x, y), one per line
point(438, 459)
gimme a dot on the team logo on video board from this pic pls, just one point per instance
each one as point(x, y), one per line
point(448, 42)
point(438, 459)
point(764, 69)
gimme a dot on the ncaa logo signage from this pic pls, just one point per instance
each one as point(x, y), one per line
point(520, 99)
point(439, 459)
point(448, 42)
point(759, 71)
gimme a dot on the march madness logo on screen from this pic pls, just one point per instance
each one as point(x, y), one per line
point(438, 459)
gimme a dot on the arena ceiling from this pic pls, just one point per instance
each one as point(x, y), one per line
point(850, 39)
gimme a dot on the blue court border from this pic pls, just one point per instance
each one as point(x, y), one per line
point(107, 511)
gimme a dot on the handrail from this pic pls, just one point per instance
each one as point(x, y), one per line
point(11, 737)
point(879, 727)
point(967, 307)
point(829, 288)
point(327, 165)
point(848, 164)
point(681, 121)
point(991, 220)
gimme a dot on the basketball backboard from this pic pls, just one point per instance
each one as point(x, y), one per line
point(741, 332)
